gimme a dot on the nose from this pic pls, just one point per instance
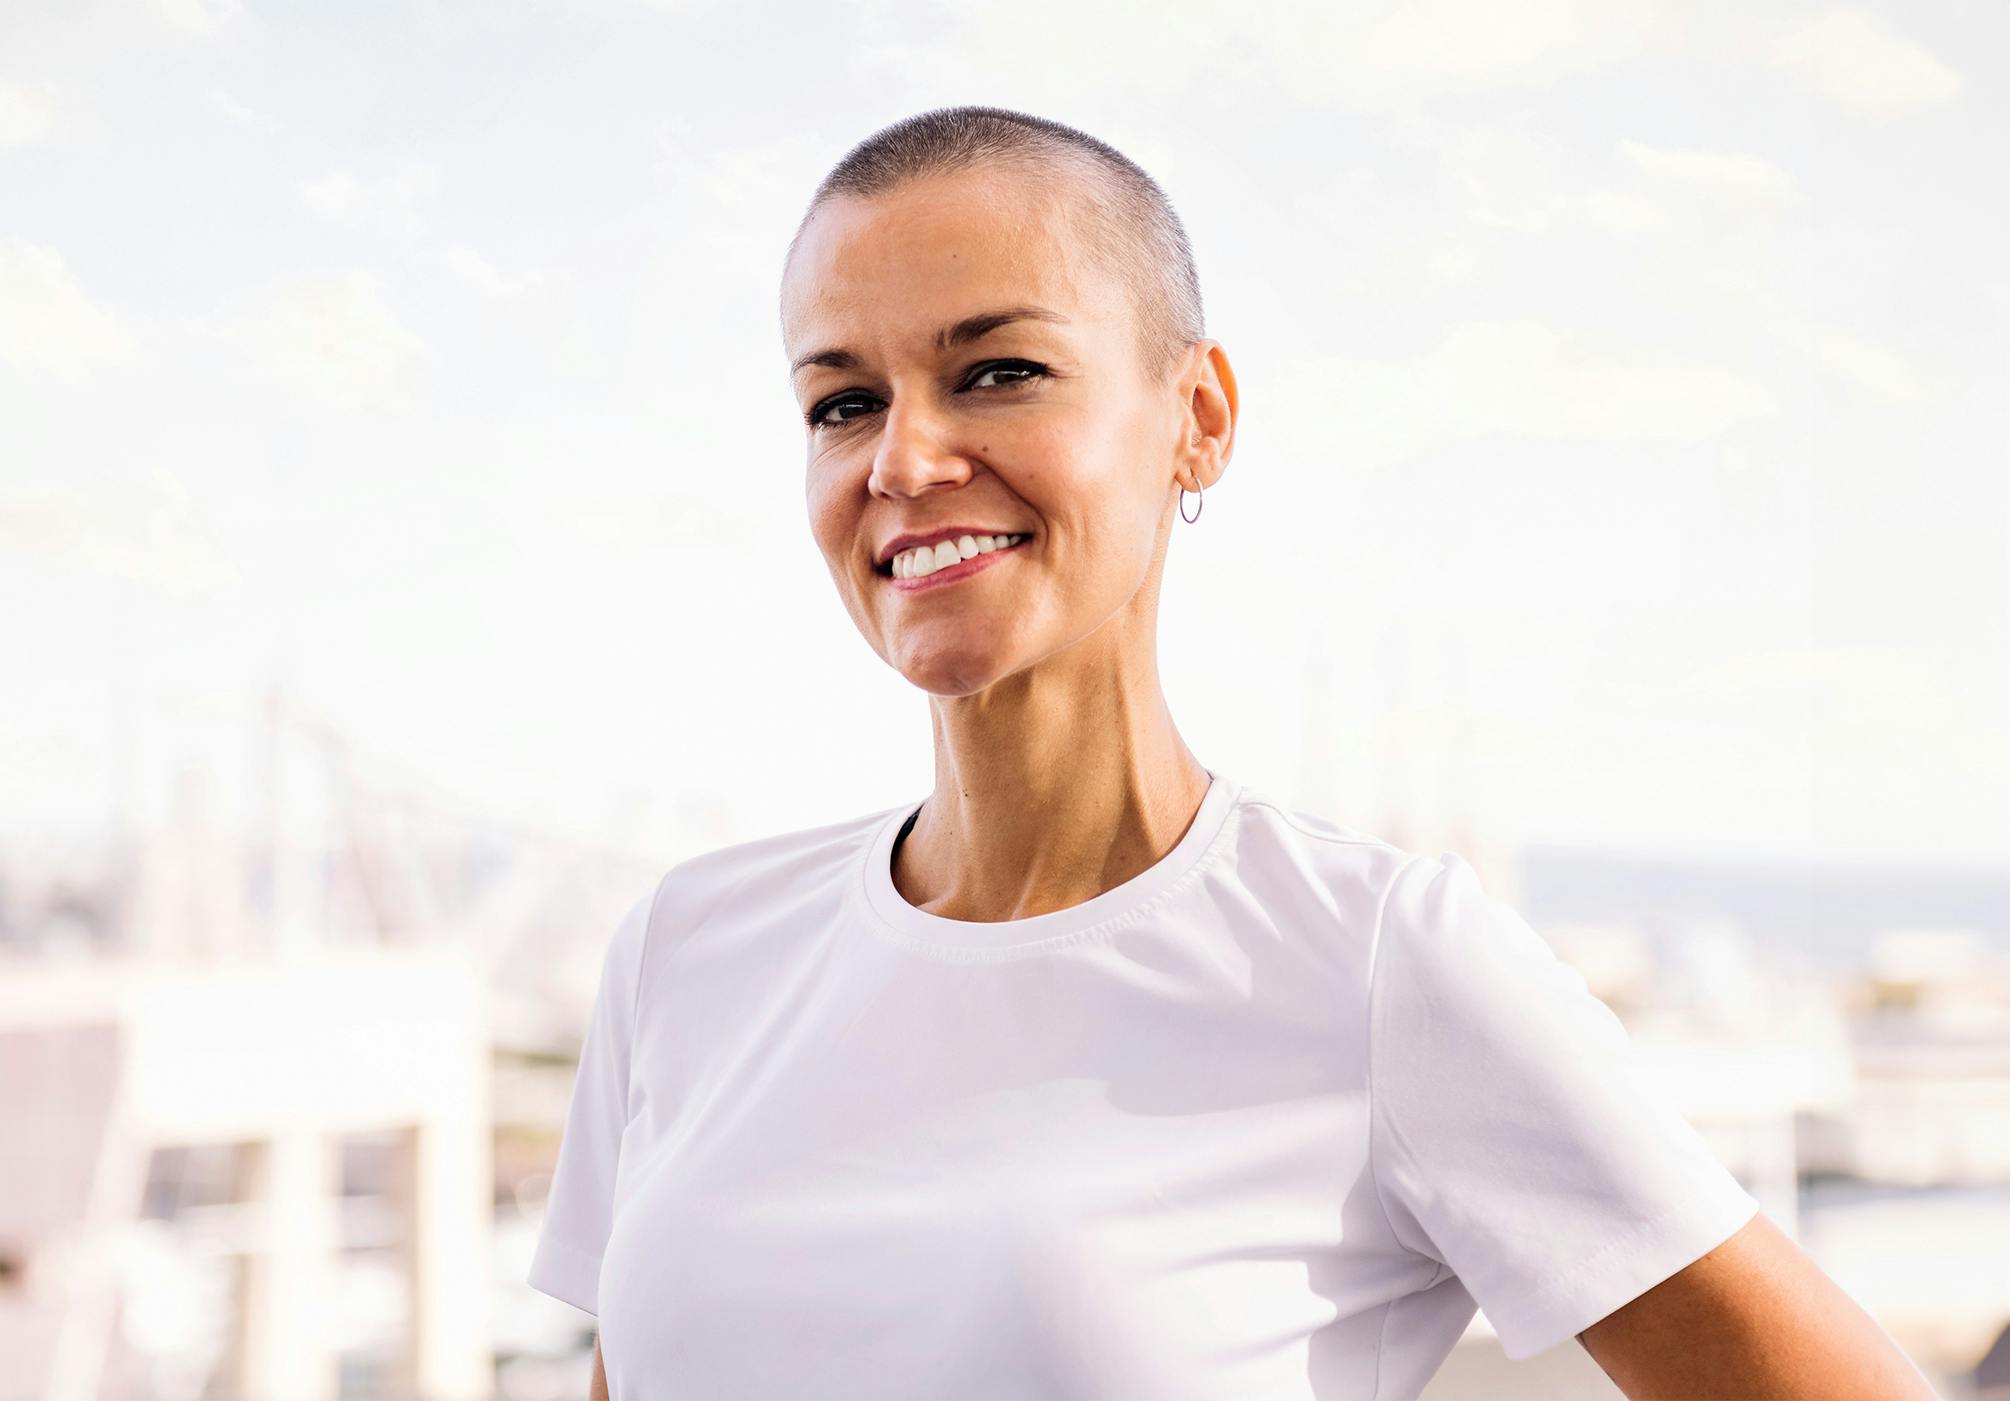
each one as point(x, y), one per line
point(913, 453)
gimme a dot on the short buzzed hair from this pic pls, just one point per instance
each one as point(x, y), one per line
point(1136, 233)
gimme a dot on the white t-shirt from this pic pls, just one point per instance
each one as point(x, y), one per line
point(1265, 1120)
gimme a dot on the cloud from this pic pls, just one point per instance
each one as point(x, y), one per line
point(1853, 58)
point(230, 106)
point(1880, 372)
point(1509, 378)
point(1362, 52)
point(1687, 190)
point(46, 321)
point(147, 532)
point(1439, 46)
point(1448, 260)
point(27, 115)
point(334, 334)
point(481, 274)
point(1375, 54)
point(1506, 180)
point(198, 16)
point(1732, 171)
point(1626, 211)
point(389, 204)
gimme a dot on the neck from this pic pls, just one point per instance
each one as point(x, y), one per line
point(1052, 786)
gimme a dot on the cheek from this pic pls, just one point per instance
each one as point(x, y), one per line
point(1078, 453)
point(835, 527)
point(825, 496)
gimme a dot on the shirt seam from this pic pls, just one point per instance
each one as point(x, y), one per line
point(1381, 1342)
point(642, 960)
point(1290, 819)
point(635, 1005)
point(1382, 1330)
point(1368, 1037)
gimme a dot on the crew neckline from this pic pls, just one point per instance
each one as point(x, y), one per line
point(916, 928)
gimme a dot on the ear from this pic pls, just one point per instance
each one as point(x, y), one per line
point(1209, 393)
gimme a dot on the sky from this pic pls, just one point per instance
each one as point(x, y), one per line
point(1620, 462)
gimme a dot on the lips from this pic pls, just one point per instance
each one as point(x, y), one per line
point(929, 537)
point(951, 573)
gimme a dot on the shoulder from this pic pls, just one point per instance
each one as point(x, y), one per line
point(1432, 906)
point(768, 867)
point(744, 881)
point(1440, 916)
point(1286, 853)
point(1459, 972)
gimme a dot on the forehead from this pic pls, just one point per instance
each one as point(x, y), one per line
point(904, 263)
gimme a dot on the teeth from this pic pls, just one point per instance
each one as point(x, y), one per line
point(924, 560)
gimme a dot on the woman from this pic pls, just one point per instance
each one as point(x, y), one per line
point(1097, 1073)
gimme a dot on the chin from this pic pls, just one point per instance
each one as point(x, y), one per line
point(960, 675)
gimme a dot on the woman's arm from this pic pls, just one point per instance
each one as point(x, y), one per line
point(1754, 1318)
point(599, 1392)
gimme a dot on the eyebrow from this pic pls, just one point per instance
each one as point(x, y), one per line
point(970, 328)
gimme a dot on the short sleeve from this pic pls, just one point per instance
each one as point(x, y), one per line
point(1514, 1136)
point(579, 1209)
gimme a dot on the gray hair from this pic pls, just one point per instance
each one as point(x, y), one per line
point(1132, 225)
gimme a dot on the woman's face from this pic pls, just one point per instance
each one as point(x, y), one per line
point(930, 424)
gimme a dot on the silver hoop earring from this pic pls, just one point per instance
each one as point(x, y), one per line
point(1199, 501)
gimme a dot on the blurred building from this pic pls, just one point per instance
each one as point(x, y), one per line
point(260, 1139)
point(248, 1050)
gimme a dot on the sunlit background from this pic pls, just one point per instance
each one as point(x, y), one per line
point(404, 559)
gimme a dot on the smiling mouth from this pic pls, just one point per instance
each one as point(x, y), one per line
point(964, 567)
point(921, 563)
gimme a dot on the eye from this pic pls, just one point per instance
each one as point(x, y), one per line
point(1027, 368)
point(1021, 372)
point(816, 417)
